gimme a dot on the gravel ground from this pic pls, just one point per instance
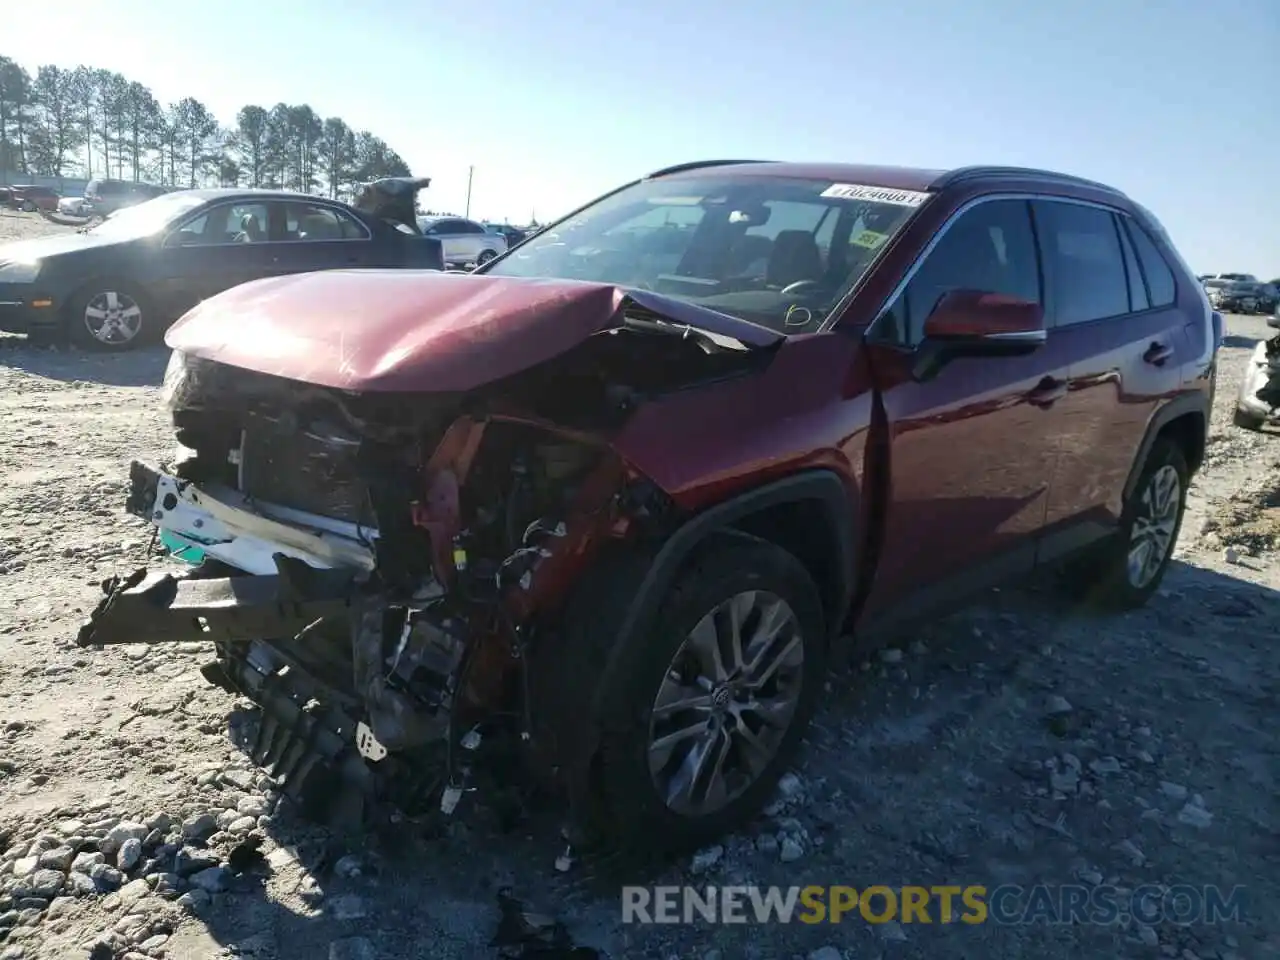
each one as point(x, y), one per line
point(1021, 742)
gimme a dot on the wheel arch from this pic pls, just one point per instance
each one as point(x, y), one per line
point(767, 512)
point(1184, 420)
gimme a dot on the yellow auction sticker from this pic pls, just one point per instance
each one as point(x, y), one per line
point(869, 239)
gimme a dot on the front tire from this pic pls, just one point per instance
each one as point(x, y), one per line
point(110, 315)
point(707, 709)
point(28, 207)
point(1133, 564)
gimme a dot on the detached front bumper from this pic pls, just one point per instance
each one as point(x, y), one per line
point(312, 734)
point(1256, 375)
point(224, 525)
point(296, 575)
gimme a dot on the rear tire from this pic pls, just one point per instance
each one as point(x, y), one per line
point(1122, 575)
point(485, 257)
point(642, 794)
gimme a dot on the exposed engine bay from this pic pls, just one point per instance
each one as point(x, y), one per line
point(373, 569)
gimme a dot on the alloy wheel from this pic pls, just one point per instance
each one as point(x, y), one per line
point(726, 702)
point(1154, 525)
point(113, 318)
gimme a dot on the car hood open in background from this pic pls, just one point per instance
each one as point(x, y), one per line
point(397, 330)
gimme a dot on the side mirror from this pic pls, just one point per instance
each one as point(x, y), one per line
point(977, 323)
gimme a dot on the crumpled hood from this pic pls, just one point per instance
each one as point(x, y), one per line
point(26, 251)
point(408, 330)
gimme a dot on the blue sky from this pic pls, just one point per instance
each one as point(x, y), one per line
point(556, 101)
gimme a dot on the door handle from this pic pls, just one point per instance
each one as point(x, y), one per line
point(1047, 392)
point(1157, 354)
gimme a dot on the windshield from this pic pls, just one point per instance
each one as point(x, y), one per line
point(148, 218)
point(777, 252)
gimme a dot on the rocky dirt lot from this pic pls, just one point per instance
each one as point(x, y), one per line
point(1021, 742)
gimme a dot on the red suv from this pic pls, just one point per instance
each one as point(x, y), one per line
point(31, 198)
point(620, 493)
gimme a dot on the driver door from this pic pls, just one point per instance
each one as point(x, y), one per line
point(219, 248)
point(971, 451)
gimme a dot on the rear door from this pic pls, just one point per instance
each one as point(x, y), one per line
point(1112, 301)
point(972, 451)
point(312, 235)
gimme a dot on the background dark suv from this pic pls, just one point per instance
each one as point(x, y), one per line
point(107, 196)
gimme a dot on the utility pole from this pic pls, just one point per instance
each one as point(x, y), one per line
point(471, 172)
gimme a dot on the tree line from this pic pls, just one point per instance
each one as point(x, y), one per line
point(98, 123)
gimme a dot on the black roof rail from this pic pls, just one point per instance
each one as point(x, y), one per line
point(698, 165)
point(963, 174)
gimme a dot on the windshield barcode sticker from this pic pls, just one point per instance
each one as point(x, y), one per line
point(858, 191)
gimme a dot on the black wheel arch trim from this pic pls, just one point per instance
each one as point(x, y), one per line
point(821, 485)
point(1179, 406)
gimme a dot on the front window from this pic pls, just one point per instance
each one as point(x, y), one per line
point(147, 218)
point(777, 252)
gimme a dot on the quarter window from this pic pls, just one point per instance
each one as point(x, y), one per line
point(1159, 277)
point(990, 248)
point(1082, 255)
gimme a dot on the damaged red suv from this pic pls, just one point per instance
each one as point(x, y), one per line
point(616, 497)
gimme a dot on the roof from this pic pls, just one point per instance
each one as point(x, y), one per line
point(215, 193)
point(893, 177)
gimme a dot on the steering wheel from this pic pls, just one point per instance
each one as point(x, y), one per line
point(240, 237)
point(800, 286)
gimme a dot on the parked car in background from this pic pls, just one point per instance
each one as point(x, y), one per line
point(30, 198)
point(1268, 297)
point(678, 491)
point(74, 206)
point(105, 197)
point(1236, 296)
point(1246, 277)
point(513, 235)
point(121, 283)
point(465, 242)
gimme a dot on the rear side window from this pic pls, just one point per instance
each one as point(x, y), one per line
point(1083, 258)
point(989, 248)
point(1160, 281)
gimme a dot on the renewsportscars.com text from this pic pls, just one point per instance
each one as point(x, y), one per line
point(972, 904)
